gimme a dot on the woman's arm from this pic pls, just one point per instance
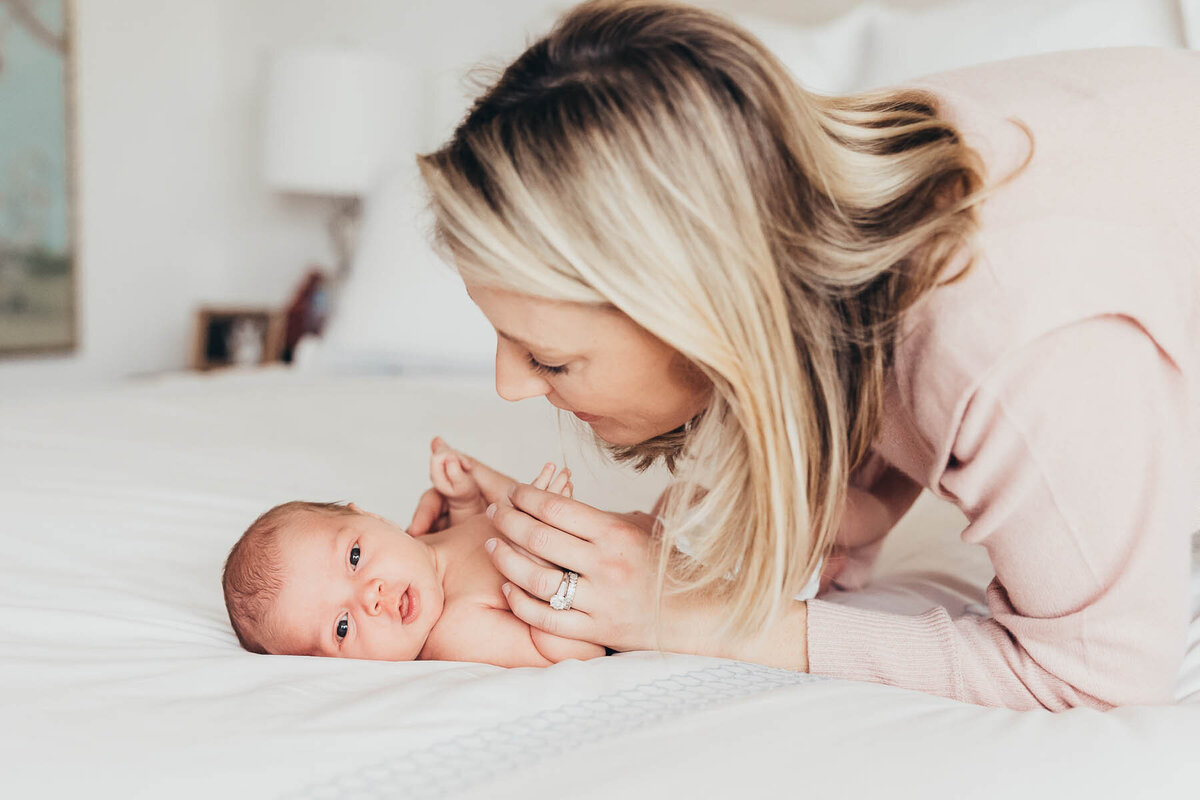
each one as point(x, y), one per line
point(871, 513)
point(616, 556)
point(1070, 461)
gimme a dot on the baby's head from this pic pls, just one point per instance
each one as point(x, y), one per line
point(327, 579)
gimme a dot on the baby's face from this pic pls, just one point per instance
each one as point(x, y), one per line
point(354, 586)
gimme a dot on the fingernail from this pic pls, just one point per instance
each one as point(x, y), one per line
point(489, 545)
point(491, 510)
point(506, 588)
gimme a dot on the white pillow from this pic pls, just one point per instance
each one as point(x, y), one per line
point(824, 58)
point(402, 307)
point(909, 44)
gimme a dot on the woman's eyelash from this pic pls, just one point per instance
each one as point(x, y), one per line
point(546, 369)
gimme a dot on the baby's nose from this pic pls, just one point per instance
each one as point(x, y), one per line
point(374, 597)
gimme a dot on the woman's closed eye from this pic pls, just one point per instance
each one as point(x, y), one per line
point(546, 369)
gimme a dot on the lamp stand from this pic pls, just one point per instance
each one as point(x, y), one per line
point(343, 232)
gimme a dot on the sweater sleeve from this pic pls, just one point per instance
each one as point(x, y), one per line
point(1070, 463)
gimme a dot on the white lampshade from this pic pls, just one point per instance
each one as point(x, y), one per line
point(336, 119)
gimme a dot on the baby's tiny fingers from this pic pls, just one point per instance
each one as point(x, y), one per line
point(569, 490)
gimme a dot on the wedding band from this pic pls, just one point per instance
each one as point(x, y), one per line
point(562, 599)
point(570, 598)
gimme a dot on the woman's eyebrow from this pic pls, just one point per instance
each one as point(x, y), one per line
point(515, 340)
point(526, 344)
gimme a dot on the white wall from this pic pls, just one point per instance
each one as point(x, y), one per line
point(172, 211)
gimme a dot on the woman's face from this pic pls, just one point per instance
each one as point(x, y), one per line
point(628, 385)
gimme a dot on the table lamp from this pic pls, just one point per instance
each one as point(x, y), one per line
point(336, 119)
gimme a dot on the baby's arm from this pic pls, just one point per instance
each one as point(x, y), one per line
point(556, 648)
point(495, 636)
point(451, 478)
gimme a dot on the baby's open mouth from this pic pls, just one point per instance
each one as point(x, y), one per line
point(409, 605)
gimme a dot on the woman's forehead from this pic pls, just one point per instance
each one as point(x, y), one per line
point(538, 322)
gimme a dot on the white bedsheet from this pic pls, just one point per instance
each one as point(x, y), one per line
point(120, 677)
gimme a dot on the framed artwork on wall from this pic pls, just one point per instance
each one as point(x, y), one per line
point(37, 203)
point(236, 337)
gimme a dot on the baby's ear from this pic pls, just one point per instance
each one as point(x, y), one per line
point(354, 508)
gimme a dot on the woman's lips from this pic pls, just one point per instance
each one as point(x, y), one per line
point(585, 417)
point(410, 606)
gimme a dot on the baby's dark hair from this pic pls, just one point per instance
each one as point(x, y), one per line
point(252, 576)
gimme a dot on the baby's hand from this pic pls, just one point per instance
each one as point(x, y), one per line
point(450, 472)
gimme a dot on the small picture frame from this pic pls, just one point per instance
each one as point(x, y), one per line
point(236, 337)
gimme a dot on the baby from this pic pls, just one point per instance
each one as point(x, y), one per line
point(326, 579)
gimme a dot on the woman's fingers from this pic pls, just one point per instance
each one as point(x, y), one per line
point(543, 478)
point(557, 547)
point(538, 581)
point(572, 624)
point(558, 511)
point(560, 481)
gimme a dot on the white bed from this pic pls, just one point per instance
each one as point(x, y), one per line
point(120, 676)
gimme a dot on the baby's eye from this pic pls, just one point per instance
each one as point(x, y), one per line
point(343, 626)
point(355, 554)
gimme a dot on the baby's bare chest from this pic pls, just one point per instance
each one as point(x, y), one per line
point(474, 581)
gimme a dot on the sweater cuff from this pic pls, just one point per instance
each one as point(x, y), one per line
point(910, 652)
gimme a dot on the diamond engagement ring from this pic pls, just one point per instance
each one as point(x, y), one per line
point(562, 599)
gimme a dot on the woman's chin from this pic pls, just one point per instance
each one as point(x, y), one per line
point(615, 435)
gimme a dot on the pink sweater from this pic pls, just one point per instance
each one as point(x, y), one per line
point(1054, 394)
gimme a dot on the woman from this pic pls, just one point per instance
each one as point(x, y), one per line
point(986, 284)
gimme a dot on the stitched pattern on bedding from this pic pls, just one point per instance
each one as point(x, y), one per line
point(459, 764)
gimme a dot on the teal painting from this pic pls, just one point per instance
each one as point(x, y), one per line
point(37, 269)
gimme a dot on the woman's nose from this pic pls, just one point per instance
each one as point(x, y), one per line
point(515, 378)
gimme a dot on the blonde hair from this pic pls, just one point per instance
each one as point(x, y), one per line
point(658, 159)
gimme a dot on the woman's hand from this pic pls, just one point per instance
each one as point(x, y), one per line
point(616, 556)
